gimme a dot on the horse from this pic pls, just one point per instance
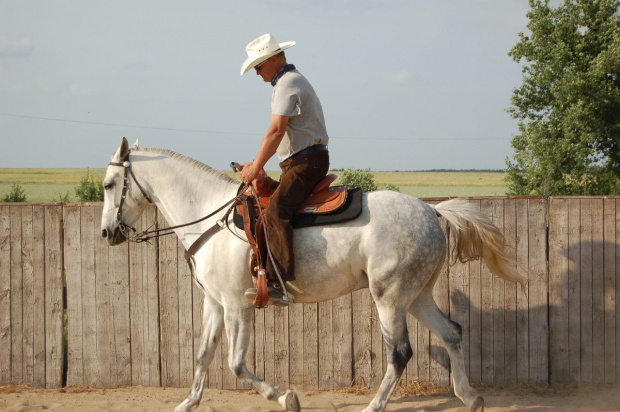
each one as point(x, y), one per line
point(396, 248)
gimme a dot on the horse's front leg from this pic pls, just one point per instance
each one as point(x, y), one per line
point(238, 329)
point(212, 323)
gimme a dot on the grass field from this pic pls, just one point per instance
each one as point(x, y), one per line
point(49, 185)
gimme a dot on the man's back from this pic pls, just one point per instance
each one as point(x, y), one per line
point(294, 96)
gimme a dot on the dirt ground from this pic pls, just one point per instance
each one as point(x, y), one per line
point(21, 399)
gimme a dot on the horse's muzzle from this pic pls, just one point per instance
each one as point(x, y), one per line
point(115, 236)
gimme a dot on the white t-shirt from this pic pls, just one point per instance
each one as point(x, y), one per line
point(293, 96)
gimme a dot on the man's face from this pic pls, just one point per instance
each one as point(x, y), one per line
point(266, 69)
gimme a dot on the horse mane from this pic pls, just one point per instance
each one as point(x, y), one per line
point(186, 160)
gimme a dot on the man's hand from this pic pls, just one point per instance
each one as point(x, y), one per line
point(249, 173)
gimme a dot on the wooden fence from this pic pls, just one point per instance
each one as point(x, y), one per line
point(133, 315)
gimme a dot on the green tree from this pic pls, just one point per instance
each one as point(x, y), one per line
point(15, 195)
point(568, 105)
point(88, 190)
point(392, 187)
point(363, 179)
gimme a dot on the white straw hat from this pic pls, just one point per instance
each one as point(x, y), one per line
point(261, 49)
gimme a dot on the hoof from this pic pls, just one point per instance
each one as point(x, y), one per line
point(477, 405)
point(291, 401)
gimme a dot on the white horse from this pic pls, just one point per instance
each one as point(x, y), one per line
point(396, 248)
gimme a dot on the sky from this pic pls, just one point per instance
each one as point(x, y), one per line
point(404, 84)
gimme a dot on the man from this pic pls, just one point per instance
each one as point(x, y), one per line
point(298, 135)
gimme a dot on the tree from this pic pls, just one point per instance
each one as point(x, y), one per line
point(15, 195)
point(88, 190)
point(363, 179)
point(568, 105)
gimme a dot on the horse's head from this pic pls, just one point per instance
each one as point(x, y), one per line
point(123, 197)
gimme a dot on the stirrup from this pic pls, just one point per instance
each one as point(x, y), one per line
point(275, 296)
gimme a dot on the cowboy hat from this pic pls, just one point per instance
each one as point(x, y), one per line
point(261, 49)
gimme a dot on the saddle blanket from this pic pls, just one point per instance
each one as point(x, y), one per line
point(350, 210)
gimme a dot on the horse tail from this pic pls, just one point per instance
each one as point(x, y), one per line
point(476, 236)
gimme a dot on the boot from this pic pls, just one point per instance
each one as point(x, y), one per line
point(275, 293)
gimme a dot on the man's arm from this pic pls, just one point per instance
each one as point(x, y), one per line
point(268, 148)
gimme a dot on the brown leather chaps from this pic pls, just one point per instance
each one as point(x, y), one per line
point(300, 174)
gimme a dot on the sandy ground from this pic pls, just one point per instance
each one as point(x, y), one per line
point(165, 399)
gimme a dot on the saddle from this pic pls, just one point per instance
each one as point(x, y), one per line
point(323, 201)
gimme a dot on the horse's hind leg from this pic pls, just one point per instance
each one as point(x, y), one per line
point(238, 328)
point(426, 311)
point(212, 324)
point(398, 349)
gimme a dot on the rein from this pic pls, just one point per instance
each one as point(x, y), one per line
point(155, 233)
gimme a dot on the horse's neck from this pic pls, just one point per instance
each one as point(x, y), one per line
point(184, 192)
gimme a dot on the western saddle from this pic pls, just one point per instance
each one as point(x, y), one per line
point(255, 200)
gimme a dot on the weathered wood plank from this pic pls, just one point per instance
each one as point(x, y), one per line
point(609, 250)
point(54, 355)
point(311, 346)
point(17, 287)
point(523, 318)
point(499, 299)
point(120, 328)
point(105, 347)
point(281, 347)
point(138, 310)
point(151, 305)
point(361, 305)
point(598, 292)
point(487, 278)
point(91, 349)
point(169, 311)
point(144, 307)
point(296, 345)
point(586, 290)
point(558, 290)
point(5, 296)
point(186, 337)
point(538, 299)
point(38, 288)
point(342, 330)
point(73, 272)
point(27, 296)
point(326, 349)
point(510, 325)
point(439, 359)
point(475, 318)
point(574, 290)
point(270, 349)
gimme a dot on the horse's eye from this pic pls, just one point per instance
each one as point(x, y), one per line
point(108, 186)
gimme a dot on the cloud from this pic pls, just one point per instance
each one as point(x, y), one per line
point(79, 90)
point(140, 66)
point(15, 47)
point(398, 77)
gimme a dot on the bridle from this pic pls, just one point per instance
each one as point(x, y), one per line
point(155, 233)
point(128, 171)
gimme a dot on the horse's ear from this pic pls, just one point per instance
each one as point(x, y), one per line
point(135, 145)
point(122, 151)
